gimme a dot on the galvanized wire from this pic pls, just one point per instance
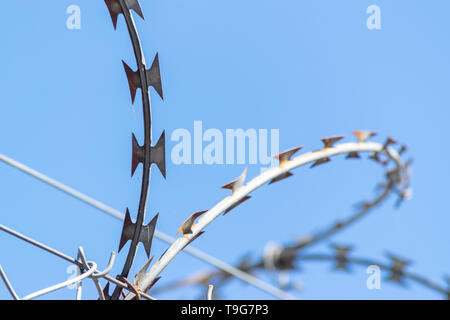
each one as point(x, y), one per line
point(92, 266)
point(8, 284)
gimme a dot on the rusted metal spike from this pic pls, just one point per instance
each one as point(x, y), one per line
point(342, 256)
point(187, 225)
point(194, 238)
point(281, 177)
point(133, 80)
point(114, 10)
point(353, 155)
point(236, 184)
point(365, 205)
point(285, 156)
point(106, 292)
point(388, 142)
point(146, 236)
point(236, 204)
point(153, 283)
point(134, 5)
point(397, 268)
point(363, 136)
point(320, 161)
point(154, 77)
point(375, 156)
point(402, 150)
point(158, 154)
point(141, 273)
point(285, 260)
point(137, 154)
point(394, 175)
point(330, 141)
point(127, 230)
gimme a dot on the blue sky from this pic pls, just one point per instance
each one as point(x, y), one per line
point(308, 68)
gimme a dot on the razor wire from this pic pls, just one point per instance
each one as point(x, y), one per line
point(148, 154)
point(195, 252)
point(89, 266)
point(284, 259)
point(240, 190)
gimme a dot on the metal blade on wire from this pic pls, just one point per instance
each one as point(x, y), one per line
point(137, 154)
point(115, 8)
point(153, 78)
point(145, 237)
point(158, 154)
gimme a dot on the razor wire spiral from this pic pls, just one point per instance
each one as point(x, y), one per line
point(281, 258)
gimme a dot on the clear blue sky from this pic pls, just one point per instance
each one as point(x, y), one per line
point(308, 68)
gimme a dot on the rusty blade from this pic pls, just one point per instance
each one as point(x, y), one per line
point(375, 156)
point(236, 184)
point(281, 177)
point(135, 6)
point(154, 77)
point(285, 156)
point(397, 268)
point(330, 141)
point(320, 161)
point(115, 9)
point(133, 80)
point(402, 150)
point(364, 205)
point(194, 238)
point(153, 283)
point(106, 292)
point(342, 256)
point(137, 154)
point(353, 155)
point(389, 142)
point(186, 227)
point(364, 135)
point(141, 273)
point(127, 230)
point(236, 204)
point(158, 154)
point(146, 235)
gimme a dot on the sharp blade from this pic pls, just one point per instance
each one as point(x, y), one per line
point(146, 236)
point(137, 154)
point(133, 80)
point(158, 154)
point(154, 77)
